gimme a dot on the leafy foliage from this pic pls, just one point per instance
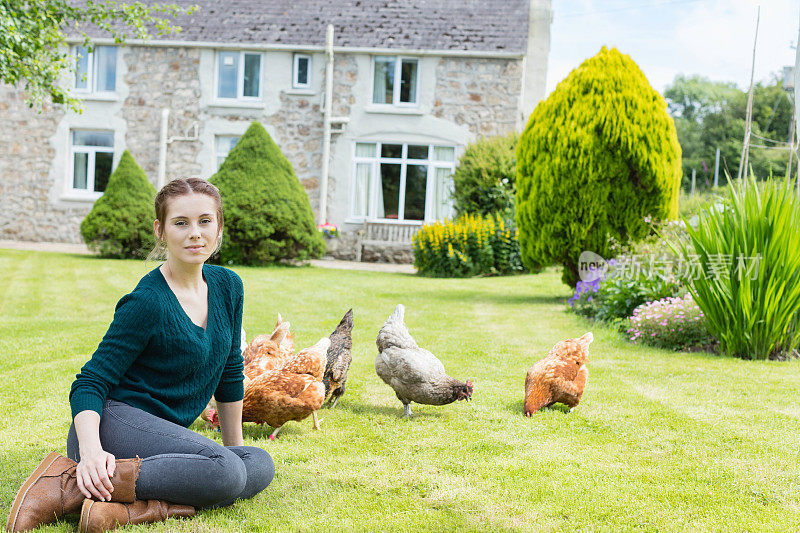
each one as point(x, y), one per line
point(268, 217)
point(641, 272)
point(749, 289)
point(486, 176)
point(34, 47)
point(596, 157)
point(710, 115)
point(120, 224)
point(671, 323)
point(468, 246)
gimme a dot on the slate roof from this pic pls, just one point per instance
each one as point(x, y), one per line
point(471, 25)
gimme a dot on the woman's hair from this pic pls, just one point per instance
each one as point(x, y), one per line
point(174, 189)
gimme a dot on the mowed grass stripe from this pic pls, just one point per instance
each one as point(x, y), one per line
point(661, 441)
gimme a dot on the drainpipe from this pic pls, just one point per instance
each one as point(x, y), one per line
point(322, 216)
point(162, 149)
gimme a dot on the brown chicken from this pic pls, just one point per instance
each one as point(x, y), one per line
point(339, 359)
point(291, 392)
point(266, 353)
point(560, 377)
point(256, 348)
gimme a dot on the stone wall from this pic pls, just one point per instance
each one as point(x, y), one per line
point(26, 157)
point(482, 94)
point(161, 78)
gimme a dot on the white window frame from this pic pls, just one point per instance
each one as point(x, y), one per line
point(91, 79)
point(372, 202)
point(240, 78)
point(295, 71)
point(89, 191)
point(218, 153)
point(398, 65)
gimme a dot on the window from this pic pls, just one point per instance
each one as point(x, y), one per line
point(239, 75)
point(225, 144)
point(96, 70)
point(395, 81)
point(301, 72)
point(404, 182)
point(92, 157)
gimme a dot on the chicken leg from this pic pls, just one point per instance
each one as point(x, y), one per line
point(316, 420)
point(407, 407)
point(275, 433)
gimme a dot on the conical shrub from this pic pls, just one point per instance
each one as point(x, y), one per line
point(268, 217)
point(596, 159)
point(120, 224)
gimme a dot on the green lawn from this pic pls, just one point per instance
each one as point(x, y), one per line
point(661, 442)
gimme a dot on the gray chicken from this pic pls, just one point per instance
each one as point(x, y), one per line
point(415, 374)
point(339, 358)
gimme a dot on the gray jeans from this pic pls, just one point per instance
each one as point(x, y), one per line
point(179, 465)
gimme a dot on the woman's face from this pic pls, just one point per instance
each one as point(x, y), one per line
point(191, 228)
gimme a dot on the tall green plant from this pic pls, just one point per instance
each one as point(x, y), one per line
point(120, 224)
point(268, 217)
point(749, 253)
point(597, 157)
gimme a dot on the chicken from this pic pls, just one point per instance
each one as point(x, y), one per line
point(265, 353)
point(560, 377)
point(291, 392)
point(339, 358)
point(415, 374)
point(210, 416)
point(286, 345)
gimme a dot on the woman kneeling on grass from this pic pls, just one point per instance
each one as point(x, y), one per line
point(174, 341)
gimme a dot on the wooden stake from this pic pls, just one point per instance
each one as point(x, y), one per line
point(743, 161)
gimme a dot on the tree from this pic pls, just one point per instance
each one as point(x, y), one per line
point(268, 217)
point(120, 224)
point(33, 45)
point(596, 158)
point(710, 115)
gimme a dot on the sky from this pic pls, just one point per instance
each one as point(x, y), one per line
point(712, 38)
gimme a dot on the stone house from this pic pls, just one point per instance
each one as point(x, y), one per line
point(408, 84)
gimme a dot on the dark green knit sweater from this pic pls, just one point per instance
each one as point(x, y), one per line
point(155, 358)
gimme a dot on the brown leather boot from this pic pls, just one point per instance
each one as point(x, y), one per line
point(51, 491)
point(97, 517)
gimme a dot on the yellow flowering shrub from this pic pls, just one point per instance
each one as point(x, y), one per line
point(468, 246)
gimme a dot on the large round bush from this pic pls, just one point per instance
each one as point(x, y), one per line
point(268, 217)
point(120, 224)
point(597, 157)
point(486, 176)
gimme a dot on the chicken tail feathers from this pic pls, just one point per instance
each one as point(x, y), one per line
point(394, 331)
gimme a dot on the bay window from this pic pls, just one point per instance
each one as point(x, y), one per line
point(402, 181)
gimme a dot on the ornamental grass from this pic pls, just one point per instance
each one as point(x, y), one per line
point(749, 284)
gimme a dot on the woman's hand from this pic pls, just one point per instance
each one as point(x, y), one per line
point(96, 466)
point(94, 474)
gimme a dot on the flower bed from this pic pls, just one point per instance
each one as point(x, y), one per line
point(672, 323)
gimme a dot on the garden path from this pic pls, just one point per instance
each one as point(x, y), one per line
point(322, 263)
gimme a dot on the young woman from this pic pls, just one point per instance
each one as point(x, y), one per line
point(174, 341)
